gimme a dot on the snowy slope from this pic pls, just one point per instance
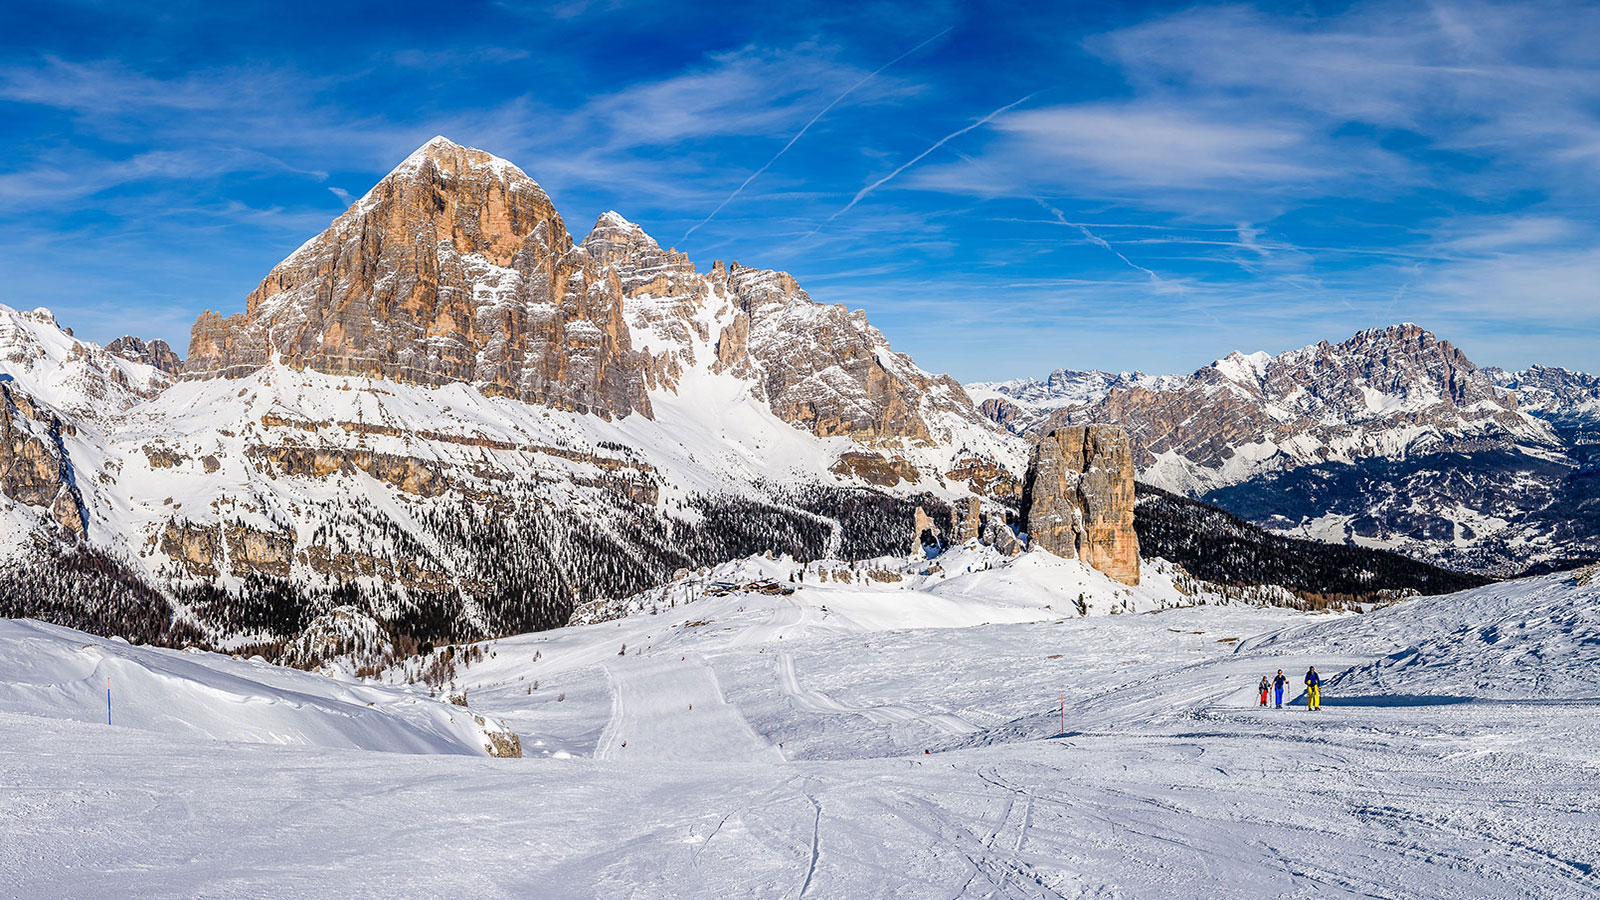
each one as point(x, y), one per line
point(1535, 640)
point(61, 673)
point(767, 746)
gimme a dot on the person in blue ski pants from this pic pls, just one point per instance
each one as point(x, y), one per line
point(1277, 686)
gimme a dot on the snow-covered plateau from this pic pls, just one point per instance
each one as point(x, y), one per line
point(945, 728)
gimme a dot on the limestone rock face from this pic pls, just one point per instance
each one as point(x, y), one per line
point(661, 293)
point(921, 524)
point(874, 468)
point(193, 548)
point(1003, 412)
point(821, 365)
point(1078, 499)
point(251, 550)
point(965, 520)
point(454, 268)
point(998, 534)
point(156, 353)
point(987, 477)
point(33, 470)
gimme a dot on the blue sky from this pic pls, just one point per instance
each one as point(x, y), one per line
point(1005, 188)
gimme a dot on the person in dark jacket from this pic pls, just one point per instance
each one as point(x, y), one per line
point(1278, 684)
point(1265, 687)
point(1313, 689)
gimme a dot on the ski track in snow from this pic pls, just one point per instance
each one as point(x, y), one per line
point(674, 710)
point(885, 714)
point(1169, 781)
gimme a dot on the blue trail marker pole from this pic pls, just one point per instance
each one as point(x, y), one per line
point(108, 699)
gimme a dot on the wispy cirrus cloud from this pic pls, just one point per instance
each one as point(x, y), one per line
point(1147, 145)
point(1211, 176)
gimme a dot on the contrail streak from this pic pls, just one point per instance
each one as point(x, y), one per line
point(1088, 235)
point(801, 133)
point(1095, 239)
point(918, 158)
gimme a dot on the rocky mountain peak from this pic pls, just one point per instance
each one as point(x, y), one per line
point(39, 315)
point(615, 240)
point(1380, 370)
point(156, 353)
point(662, 295)
point(821, 367)
point(455, 267)
point(1384, 391)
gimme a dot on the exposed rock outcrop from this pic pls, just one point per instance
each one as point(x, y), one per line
point(34, 468)
point(251, 550)
point(1078, 499)
point(1003, 412)
point(454, 268)
point(874, 468)
point(987, 477)
point(194, 548)
point(965, 520)
point(821, 367)
point(826, 369)
point(997, 533)
point(662, 295)
point(156, 353)
point(922, 527)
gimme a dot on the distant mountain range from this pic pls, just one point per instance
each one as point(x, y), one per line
point(1391, 439)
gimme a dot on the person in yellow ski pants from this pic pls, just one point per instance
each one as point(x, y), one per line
point(1313, 689)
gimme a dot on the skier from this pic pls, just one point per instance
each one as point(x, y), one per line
point(1313, 688)
point(1265, 687)
point(1278, 684)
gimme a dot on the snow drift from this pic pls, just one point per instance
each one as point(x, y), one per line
point(61, 673)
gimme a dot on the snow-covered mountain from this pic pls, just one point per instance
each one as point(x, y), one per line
point(1393, 438)
point(447, 404)
point(1022, 404)
point(1568, 400)
point(1553, 392)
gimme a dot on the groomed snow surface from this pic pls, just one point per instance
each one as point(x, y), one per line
point(845, 741)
